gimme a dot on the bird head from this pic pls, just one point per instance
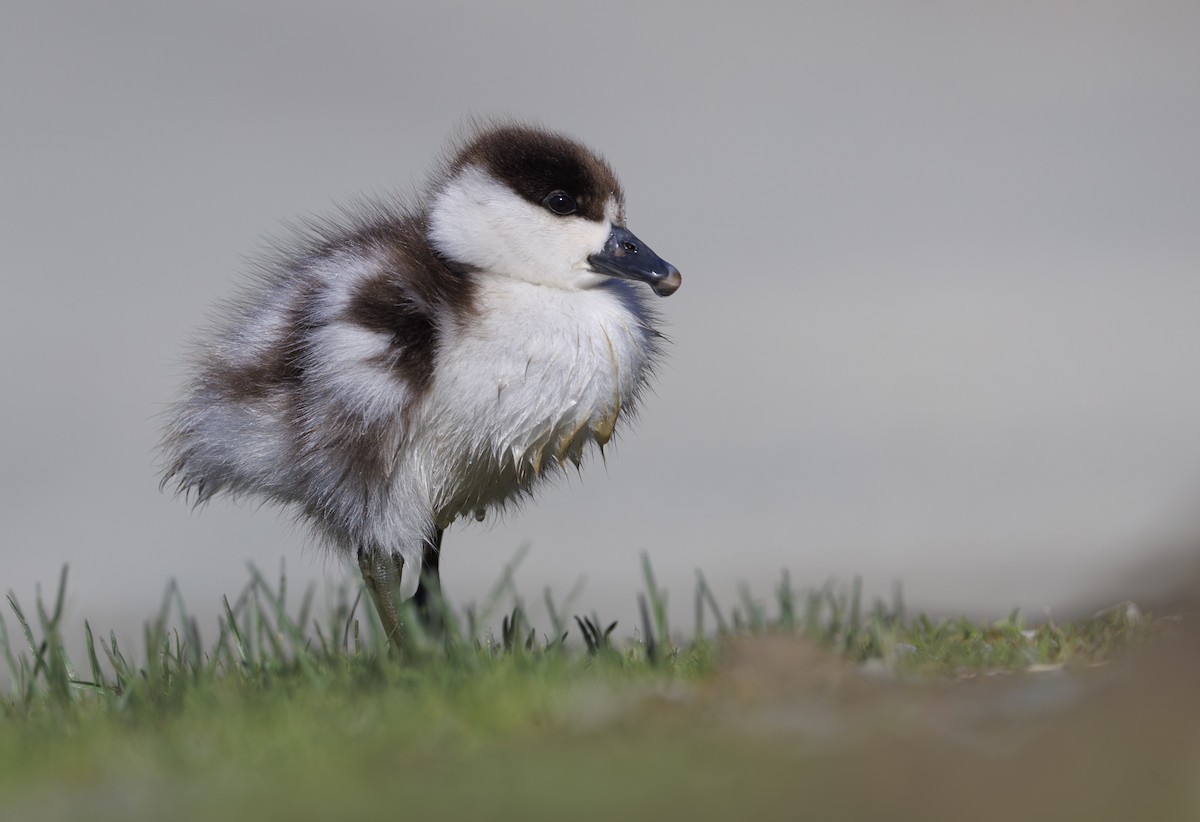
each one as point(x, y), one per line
point(525, 203)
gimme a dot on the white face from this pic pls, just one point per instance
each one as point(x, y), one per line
point(477, 220)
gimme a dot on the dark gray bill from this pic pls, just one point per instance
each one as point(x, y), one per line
point(625, 256)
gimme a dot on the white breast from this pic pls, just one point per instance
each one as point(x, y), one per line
point(525, 384)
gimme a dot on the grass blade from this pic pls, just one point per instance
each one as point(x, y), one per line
point(232, 625)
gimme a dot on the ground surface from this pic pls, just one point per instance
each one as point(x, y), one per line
point(770, 722)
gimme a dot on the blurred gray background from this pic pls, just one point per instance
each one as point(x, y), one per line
point(938, 321)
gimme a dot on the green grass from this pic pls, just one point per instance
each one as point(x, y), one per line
point(291, 714)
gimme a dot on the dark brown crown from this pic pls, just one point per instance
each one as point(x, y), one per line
point(534, 163)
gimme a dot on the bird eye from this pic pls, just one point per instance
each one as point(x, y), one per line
point(560, 203)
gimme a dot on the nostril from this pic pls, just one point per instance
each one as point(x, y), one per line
point(630, 247)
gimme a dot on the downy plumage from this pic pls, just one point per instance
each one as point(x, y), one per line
point(406, 367)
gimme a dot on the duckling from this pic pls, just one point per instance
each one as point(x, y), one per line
point(403, 367)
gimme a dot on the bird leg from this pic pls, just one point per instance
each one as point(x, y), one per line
point(428, 598)
point(382, 575)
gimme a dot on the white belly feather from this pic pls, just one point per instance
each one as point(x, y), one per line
point(537, 374)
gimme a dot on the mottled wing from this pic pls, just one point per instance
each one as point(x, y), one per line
point(304, 394)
